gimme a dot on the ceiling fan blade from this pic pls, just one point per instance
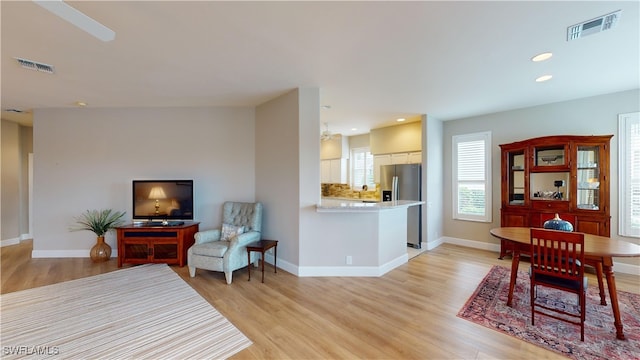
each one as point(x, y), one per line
point(78, 19)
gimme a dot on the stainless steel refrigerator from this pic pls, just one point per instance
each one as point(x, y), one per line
point(403, 182)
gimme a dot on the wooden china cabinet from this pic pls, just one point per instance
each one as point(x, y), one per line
point(563, 174)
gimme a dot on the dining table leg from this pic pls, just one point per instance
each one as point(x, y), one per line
point(599, 274)
point(596, 262)
point(607, 264)
point(515, 262)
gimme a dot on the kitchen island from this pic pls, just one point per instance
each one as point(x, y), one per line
point(359, 238)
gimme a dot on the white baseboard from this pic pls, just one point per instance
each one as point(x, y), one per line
point(472, 244)
point(626, 268)
point(327, 271)
point(8, 242)
point(15, 241)
point(618, 267)
point(60, 253)
point(430, 245)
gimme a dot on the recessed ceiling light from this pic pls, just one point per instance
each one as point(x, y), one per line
point(81, 103)
point(326, 107)
point(542, 57)
point(400, 120)
point(354, 129)
point(544, 78)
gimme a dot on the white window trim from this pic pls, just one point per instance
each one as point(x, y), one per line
point(624, 229)
point(456, 139)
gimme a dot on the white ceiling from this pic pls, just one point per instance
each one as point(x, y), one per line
point(373, 61)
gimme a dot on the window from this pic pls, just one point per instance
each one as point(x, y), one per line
point(629, 174)
point(472, 177)
point(362, 168)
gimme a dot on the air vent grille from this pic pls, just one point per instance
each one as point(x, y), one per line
point(33, 65)
point(593, 26)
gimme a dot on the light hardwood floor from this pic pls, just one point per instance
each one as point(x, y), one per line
point(409, 313)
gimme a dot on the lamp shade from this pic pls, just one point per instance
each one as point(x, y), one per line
point(157, 192)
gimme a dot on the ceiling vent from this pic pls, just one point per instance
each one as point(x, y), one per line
point(602, 23)
point(32, 65)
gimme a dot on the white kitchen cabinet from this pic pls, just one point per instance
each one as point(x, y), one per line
point(379, 160)
point(325, 171)
point(333, 171)
point(415, 157)
point(339, 171)
point(407, 158)
point(400, 158)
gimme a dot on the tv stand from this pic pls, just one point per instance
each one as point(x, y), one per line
point(141, 243)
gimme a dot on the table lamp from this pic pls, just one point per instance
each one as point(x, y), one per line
point(156, 194)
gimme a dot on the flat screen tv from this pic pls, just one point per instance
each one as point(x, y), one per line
point(162, 200)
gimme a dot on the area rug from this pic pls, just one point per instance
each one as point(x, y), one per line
point(143, 312)
point(487, 307)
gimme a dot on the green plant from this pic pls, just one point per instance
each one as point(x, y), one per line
point(98, 221)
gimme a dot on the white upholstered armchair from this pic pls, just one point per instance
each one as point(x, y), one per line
point(225, 249)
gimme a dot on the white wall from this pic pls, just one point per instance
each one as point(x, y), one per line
point(406, 137)
point(277, 173)
point(358, 141)
point(86, 159)
point(10, 182)
point(432, 177)
point(309, 177)
point(596, 115)
point(288, 172)
point(336, 148)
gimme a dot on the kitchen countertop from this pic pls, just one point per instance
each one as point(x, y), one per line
point(330, 205)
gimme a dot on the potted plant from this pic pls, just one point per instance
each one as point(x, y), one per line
point(99, 222)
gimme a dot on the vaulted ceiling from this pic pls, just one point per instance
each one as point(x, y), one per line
point(373, 61)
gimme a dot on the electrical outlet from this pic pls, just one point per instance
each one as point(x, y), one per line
point(349, 260)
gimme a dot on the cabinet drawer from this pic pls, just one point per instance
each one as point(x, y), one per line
point(550, 205)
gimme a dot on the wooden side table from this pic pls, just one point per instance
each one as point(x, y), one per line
point(262, 246)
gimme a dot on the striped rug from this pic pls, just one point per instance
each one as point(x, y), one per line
point(142, 312)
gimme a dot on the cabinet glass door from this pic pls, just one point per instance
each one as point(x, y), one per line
point(136, 251)
point(165, 251)
point(588, 177)
point(516, 178)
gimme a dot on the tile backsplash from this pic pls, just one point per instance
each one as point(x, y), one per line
point(345, 191)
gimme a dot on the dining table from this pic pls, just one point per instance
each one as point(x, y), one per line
point(599, 251)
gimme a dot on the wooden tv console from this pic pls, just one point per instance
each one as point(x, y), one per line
point(141, 244)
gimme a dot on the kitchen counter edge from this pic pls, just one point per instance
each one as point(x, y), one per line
point(345, 206)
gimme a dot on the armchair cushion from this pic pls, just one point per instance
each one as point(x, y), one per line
point(228, 231)
point(216, 248)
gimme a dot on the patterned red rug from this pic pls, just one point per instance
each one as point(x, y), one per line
point(487, 307)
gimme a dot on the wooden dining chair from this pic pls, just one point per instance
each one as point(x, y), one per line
point(597, 265)
point(557, 261)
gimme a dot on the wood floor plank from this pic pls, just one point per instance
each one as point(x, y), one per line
point(409, 313)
